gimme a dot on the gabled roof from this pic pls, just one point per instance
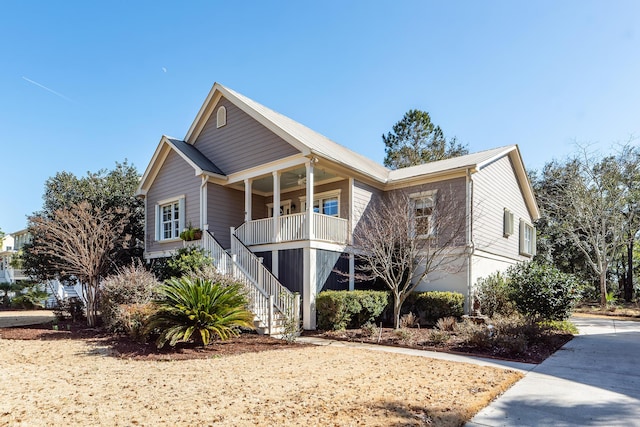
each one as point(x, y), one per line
point(195, 157)
point(308, 141)
point(200, 163)
point(470, 161)
point(311, 143)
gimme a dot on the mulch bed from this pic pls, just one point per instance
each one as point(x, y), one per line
point(418, 338)
point(124, 347)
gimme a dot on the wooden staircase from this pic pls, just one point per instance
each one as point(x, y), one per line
point(272, 303)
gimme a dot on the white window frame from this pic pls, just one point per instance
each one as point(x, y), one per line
point(430, 198)
point(527, 239)
point(283, 204)
point(177, 226)
point(221, 117)
point(507, 228)
point(320, 199)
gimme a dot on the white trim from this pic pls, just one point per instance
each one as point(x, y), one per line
point(181, 202)
point(268, 168)
point(524, 250)
point(171, 199)
point(286, 202)
point(221, 116)
point(322, 196)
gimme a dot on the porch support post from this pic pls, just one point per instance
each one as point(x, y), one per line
point(310, 229)
point(203, 203)
point(276, 206)
point(247, 199)
point(274, 264)
point(309, 288)
point(352, 271)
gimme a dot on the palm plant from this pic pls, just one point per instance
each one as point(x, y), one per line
point(194, 305)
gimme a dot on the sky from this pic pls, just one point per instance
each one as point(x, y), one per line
point(86, 84)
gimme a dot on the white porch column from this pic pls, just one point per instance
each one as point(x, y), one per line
point(309, 288)
point(310, 228)
point(203, 203)
point(247, 199)
point(276, 206)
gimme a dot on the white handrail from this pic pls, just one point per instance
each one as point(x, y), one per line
point(283, 298)
point(293, 227)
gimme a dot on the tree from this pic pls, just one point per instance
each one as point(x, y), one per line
point(586, 205)
point(81, 241)
point(105, 190)
point(628, 160)
point(401, 240)
point(416, 140)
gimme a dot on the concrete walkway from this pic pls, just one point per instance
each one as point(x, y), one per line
point(24, 317)
point(594, 380)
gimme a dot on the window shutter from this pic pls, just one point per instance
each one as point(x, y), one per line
point(522, 248)
point(533, 241)
point(158, 223)
point(182, 214)
point(508, 223)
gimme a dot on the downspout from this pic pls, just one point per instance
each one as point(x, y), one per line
point(470, 244)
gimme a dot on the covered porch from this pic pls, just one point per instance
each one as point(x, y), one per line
point(276, 207)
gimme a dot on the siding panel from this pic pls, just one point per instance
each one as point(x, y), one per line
point(495, 188)
point(225, 208)
point(175, 178)
point(241, 144)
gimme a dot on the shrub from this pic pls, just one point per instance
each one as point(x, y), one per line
point(198, 309)
point(474, 334)
point(542, 291)
point(131, 285)
point(560, 325)
point(493, 294)
point(341, 309)
point(134, 317)
point(434, 305)
point(409, 320)
point(187, 260)
point(70, 308)
point(448, 324)
point(437, 336)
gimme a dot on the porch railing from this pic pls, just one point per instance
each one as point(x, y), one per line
point(262, 302)
point(283, 298)
point(293, 227)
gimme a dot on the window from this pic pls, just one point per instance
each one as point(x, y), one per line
point(527, 239)
point(285, 208)
point(324, 203)
point(508, 223)
point(422, 215)
point(221, 117)
point(170, 219)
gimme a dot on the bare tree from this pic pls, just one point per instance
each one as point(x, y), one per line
point(405, 237)
point(81, 241)
point(588, 208)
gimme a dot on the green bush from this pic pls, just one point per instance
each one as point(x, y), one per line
point(342, 309)
point(541, 291)
point(433, 305)
point(200, 310)
point(493, 295)
point(187, 261)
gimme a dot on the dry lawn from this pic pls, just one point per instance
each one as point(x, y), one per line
point(76, 382)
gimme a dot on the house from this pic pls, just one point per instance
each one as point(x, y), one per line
point(11, 272)
point(279, 203)
point(11, 246)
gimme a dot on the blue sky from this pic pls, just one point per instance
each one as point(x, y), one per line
point(85, 84)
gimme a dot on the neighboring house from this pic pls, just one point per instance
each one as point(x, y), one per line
point(279, 203)
point(11, 246)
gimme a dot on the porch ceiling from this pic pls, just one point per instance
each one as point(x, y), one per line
point(291, 179)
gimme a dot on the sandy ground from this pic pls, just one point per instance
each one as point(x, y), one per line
point(75, 382)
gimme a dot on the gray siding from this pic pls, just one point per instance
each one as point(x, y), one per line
point(363, 195)
point(243, 143)
point(495, 188)
point(332, 269)
point(175, 178)
point(290, 270)
point(225, 208)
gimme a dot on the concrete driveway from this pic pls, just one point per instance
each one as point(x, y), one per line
point(24, 317)
point(594, 380)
